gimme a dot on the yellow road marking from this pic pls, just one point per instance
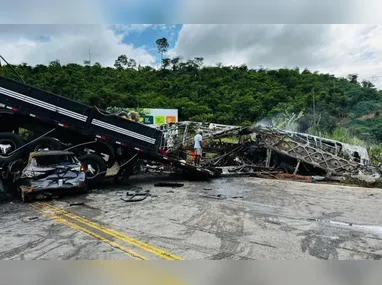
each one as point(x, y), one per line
point(79, 228)
point(144, 246)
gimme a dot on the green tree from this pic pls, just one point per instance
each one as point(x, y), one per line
point(121, 61)
point(237, 95)
point(162, 46)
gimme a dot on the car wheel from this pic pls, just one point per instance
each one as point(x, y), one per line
point(9, 142)
point(95, 168)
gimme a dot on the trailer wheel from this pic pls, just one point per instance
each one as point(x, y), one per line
point(95, 168)
point(9, 142)
point(46, 143)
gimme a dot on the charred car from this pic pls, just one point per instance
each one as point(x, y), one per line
point(51, 173)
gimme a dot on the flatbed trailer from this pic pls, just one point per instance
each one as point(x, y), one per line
point(58, 122)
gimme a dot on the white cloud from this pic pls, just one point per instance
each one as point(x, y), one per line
point(68, 43)
point(52, 12)
point(274, 11)
point(137, 28)
point(133, 28)
point(38, 31)
point(278, 11)
point(337, 49)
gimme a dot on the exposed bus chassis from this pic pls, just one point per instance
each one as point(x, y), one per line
point(239, 150)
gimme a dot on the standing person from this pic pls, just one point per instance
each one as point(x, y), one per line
point(198, 143)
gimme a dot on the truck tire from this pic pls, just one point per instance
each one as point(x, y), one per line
point(98, 164)
point(46, 142)
point(99, 148)
point(15, 141)
point(109, 150)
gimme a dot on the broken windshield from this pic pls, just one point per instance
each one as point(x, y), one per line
point(50, 160)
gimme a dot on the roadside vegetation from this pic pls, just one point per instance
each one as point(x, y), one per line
point(344, 109)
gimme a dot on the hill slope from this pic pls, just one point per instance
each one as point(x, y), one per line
point(221, 94)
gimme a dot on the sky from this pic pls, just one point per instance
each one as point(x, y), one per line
point(41, 32)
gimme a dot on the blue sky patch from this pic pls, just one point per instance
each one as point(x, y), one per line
point(142, 11)
point(146, 37)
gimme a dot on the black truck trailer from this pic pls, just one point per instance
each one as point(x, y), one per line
point(100, 139)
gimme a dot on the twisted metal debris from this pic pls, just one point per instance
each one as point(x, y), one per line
point(257, 147)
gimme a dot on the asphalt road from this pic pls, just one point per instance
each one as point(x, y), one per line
point(253, 219)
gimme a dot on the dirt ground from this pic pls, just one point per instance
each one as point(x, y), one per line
point(254, 219)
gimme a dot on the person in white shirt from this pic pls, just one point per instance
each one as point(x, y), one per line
point(198, 143)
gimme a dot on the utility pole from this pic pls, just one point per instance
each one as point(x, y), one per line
point(90, 56)
point(90, 62)
point(314, 109)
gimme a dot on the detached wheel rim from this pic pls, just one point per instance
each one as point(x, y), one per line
point(6, 147)
point(92, 170)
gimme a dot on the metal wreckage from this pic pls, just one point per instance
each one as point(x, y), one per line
point(269, 152)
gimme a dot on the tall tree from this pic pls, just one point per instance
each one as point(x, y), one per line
point(121, 61)
point(165, 63)
point(367, 84)
point(162, 45)
point(199, 61)
point(175, 62)
point(353, 78)
point(131, 63)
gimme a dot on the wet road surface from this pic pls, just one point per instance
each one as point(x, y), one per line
point(251, 219)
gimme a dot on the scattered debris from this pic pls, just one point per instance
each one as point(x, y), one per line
point(268, 174)
point(218, 196)
point(77, 204)
point(136, 189)
point(267, 152)
point(169, 184)
point(318, 178)
point(295, 177)
point(136, 196)
point(33, 218)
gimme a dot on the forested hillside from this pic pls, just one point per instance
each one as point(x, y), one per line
point(221, 94)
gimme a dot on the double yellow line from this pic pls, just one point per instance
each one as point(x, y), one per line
point(91, 228)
